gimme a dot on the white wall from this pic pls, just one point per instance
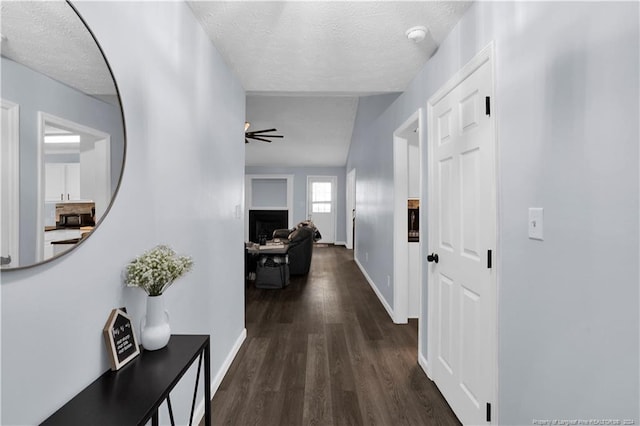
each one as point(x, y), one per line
point(268, 193)
point(183, 177)
point(371, 154)
point(568, 111)
point(567, 90)
point(413, 160)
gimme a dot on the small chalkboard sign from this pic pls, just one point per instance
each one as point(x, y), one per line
point(120, 338)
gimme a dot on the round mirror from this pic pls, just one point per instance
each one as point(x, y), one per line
point(63, 133)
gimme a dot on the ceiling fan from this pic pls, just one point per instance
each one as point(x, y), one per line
point(259, 135)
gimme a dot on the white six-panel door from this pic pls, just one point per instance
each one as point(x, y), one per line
point(462, 233)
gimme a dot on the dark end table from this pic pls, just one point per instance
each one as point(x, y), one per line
point(133, 394)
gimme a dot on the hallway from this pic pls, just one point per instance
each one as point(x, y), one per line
point(323, 351)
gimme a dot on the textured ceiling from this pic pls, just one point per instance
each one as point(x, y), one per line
point(48, 36)
point(295, 57)
point(325, 46)
point(303, 63)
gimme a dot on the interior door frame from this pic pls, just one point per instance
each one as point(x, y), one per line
point(103, 139)
point(486, 55)
point(351, 206)
point(400, 224)
point(334, 201)
point(13, 197)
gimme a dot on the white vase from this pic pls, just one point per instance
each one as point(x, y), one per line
point(155, 330)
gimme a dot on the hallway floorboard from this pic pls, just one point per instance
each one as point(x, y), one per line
point(323, 351)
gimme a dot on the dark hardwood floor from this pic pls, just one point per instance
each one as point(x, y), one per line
point(323, 351)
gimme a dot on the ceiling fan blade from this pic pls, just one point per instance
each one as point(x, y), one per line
point(263, 131)
point(261, 135)
point(259, 139)
point(250, 134)
point(264, 136)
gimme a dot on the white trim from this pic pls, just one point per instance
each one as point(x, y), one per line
point(375, 290)
point(422, 362)
point(198, 414)
point(248, 197)
point(40, 188)
point(485, 55)
point(422, 143)
point(13, 197)
point(497, 258)
point(105, 144)
point(334, 201)
point(340, 243)
point(400, 244)
point(270, 208)
point(400, 197)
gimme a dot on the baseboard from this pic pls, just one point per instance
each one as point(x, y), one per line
point(340, 243)
point(375, 289)
point(422, 361)
point(198, 415)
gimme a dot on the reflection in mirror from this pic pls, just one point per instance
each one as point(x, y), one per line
point(62, 134)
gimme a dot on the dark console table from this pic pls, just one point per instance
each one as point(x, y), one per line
point(133, 394)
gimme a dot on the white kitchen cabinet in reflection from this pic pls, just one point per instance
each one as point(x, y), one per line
point(62, 182)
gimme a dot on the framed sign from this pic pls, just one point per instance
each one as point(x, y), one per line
point(413, 220)
point(120, 337)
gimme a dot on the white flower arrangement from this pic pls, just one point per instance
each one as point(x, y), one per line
point(155, 270)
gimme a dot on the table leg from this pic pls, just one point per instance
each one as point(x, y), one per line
point(195, 389)
point(173, 422)
point(207, 384)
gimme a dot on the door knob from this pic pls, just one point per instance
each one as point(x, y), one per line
point(433, 257)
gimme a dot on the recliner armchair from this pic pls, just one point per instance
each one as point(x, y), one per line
point(300, 247)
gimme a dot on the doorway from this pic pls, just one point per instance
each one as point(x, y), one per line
point(407, 274)
point(462, 295)
point(75, 166)
point(351, 208)
point(10, 166)
point(321, 205)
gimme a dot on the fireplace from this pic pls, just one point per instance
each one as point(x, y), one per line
point(264, 222)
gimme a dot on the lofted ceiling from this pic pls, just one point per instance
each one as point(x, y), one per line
point(315, 129)
point(305, 63)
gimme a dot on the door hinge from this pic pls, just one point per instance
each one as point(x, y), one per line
point(489, 254)
point(487, 105)
point(488, 411)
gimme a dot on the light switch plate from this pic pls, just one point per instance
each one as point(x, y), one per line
point(536, 223)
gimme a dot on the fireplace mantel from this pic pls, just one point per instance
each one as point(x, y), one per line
point(253, 204)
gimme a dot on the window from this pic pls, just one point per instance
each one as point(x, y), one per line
point(321, 207)
point(321, 197)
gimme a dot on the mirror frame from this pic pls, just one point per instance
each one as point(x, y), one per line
point(124, 158)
